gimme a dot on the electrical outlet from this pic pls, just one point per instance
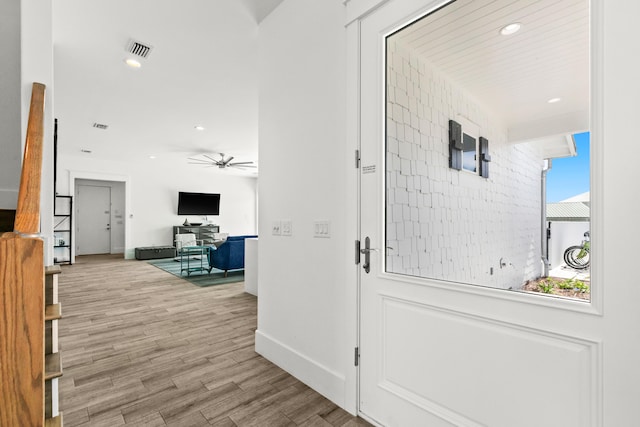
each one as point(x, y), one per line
point(276, 228)
point(287, 228)
point(322, 229)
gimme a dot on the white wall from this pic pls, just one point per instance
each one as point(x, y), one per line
point(563, 235)
point(449, 224)
point(152, 195)
point(302, 130)
point(10, 103)
point(37, 66)
point(616, 218)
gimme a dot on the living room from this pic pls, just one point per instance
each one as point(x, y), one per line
point(308, 320)
point(141, 126)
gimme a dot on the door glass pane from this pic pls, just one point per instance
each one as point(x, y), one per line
point(478, 123)
point(468, 153)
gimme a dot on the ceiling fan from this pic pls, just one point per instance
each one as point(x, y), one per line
point(221, 163)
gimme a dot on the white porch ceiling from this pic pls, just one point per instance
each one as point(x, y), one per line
point(514, 76)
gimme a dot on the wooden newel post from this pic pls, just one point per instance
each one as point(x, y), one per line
point(28, 210)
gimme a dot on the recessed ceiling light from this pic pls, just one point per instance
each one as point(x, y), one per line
point(199, 127)
point(152, 157)
point(554, 100)
point(510, 28)
point(133, 63)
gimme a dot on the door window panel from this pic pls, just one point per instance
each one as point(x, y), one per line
point(447, 218)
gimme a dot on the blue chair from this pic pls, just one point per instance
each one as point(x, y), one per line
point(229, 255)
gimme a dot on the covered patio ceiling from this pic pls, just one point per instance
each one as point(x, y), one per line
point(515, 76)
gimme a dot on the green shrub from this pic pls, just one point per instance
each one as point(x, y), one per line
point(546, 286)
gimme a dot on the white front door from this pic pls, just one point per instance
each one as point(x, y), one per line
point(437, 349)
point(93, 220)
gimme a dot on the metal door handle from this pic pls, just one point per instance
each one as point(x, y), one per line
point(367, 254)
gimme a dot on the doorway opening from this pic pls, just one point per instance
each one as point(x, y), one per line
point(99, 217)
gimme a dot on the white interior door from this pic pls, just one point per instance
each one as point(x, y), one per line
point(435, 351)
point(93, 220)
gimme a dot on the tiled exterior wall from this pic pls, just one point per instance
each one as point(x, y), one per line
point(448, 224)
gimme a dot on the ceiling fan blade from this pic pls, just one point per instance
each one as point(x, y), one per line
point(211, 158)
point(226, 162)
point(240, 163)
point(243, 166)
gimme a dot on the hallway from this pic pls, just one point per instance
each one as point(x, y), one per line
point(142, 347)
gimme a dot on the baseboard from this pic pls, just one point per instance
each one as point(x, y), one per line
point(328, 383)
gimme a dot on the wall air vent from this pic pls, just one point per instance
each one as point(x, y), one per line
point(140, 49)
point(100, 126)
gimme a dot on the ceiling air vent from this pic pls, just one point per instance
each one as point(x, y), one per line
point(100, 126)
point(140, 49)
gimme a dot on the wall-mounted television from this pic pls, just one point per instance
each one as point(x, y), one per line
point(198, 203)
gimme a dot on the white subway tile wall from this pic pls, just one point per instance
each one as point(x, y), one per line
point(447, 224)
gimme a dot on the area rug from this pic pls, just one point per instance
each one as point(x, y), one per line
point(198, 278)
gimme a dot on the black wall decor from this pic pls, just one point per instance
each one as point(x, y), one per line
point(485, 158)
point(455, 145)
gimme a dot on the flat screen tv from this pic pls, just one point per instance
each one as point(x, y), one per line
point(198, 203)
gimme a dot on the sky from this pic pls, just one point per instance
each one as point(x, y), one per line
point(569, 176)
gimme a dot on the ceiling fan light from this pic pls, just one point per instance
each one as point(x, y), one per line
point(221, 163)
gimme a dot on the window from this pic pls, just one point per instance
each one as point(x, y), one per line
point(469, 150)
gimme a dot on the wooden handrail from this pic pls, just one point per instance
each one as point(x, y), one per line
point(28, 211)
point(22, 290)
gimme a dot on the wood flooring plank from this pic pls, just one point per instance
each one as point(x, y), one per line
point(224, 422)
point(337, 417)
point(193, 419)
point(147, 348)
point(315, 421)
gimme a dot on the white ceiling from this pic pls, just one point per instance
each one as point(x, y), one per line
point(202, 70)
point(514, 76)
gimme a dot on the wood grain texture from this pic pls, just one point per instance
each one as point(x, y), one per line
point(52, 366)
point(53, 311)
point(21, 331)
point(143, 347)
point(54, 422)
point(27, 219)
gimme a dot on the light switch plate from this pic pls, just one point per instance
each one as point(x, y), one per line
point(322, 229)
point(276, 228)
point(287, 228)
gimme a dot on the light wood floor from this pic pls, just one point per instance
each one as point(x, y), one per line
point(142, 347)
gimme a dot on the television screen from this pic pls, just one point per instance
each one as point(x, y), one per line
point(198, 203)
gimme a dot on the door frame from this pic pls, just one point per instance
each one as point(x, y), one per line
point(357, 10)
point(82, 175)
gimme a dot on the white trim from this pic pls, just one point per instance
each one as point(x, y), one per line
point(359, 9)
point(596, 147)
point(352, 203)
point(322, 379)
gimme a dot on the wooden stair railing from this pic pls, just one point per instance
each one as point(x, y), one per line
point(22, 323)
